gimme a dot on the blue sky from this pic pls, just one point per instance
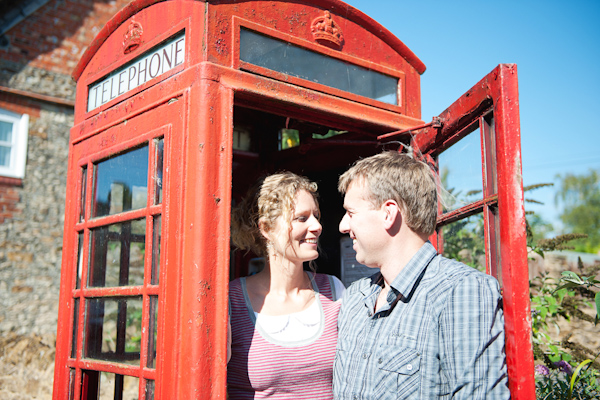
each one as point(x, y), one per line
point(556, 46)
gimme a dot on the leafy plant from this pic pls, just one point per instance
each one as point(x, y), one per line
point(572, 280)
point(564, 383)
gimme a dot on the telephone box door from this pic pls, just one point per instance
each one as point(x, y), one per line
point(475, 148)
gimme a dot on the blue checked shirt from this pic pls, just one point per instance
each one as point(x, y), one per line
point(440, 335)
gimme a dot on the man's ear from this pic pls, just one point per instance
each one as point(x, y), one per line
point(391, 214)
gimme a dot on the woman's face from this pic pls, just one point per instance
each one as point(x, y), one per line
point(300, 243)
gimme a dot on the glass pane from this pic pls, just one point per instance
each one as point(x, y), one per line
point(6, 129)
point(79, 260)
point(495, 255)
point(114, 329)
point(108, 386)
point(75, 328)
point(461, 172)
point(489, 142)
point(5, 156)
point(156, 250)
point(83, 193)
point(286, 58)
point(121, 183)
point(72, 375)
point(242, 139)
point(117, 254)
point(158, 174)
point(288, 138)
point(149, 390)
point(464, 241)
point(153, 332)
point(90, 384)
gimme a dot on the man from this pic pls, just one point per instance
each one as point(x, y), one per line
point(424, 326)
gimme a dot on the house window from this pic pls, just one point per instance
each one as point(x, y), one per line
point(13, 144)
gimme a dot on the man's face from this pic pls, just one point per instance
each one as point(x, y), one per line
point(363, 222)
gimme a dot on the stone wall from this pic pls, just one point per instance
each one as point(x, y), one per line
point(37, 59)
point(31, 241)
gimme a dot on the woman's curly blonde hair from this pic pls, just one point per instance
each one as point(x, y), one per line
point(270, 198)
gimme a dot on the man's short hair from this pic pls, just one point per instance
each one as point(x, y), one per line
point(394, 176)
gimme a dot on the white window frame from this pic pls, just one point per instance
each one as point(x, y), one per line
point(18, 154)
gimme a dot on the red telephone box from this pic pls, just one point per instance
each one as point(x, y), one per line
point(180, 106)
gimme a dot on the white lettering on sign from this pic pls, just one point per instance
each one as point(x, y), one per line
point(156, 62)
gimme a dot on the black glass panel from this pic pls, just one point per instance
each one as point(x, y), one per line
point(114, 329)
point(293, 60)
point(117, 254)
point(83, 194)
point(79, 260)
point(75, 328)
point(156, 250)
point(149, 390)
point(72, 375)
point(153, 332)
point(100, 385)
point(121, 183)
point(158, 173)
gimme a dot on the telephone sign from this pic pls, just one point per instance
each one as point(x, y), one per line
point(148, 66)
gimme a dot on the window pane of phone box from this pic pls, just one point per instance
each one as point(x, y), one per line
point(114, 329)
point(99, 385)
point(121, 183)
point(117, 254)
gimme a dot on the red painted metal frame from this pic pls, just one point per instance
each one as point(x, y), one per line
point(239, 23)
point(194, 103)
point(335, 6)
point(502, 205)
point(196, 100)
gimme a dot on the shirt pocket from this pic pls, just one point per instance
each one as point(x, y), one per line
point(399, 369)
point(345, 368)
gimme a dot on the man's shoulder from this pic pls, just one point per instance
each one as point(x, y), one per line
point(453, 269)
point(449, 273)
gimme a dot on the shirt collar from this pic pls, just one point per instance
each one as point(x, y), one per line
point(406, 281)
point(403, 285)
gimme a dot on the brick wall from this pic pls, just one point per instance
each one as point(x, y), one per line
point(9, 200)
point(56, 35)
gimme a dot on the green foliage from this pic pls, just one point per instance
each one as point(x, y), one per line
point(464, 241)
point(547, 306)
point(572, 280)
point(555, 378)
point(539, 227)
point(549, 300)
point(562, 383)
point(580, 196)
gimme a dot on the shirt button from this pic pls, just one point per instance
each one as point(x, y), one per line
point(365, 355)
point(409, 367)
point(355, 397)
point(380, 361)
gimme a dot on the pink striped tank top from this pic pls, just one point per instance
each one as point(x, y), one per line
point(261, 367)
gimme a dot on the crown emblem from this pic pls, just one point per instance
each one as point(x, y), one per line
point(326, 32)
point(133, 37)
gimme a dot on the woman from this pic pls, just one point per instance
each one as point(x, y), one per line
point(283, 319)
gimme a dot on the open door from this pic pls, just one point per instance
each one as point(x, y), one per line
point(481, 218)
